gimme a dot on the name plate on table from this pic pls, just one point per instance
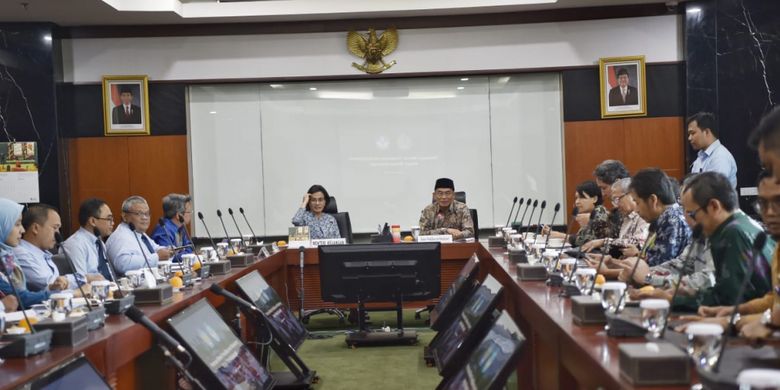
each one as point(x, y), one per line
point(328, 241)
point(444, 238)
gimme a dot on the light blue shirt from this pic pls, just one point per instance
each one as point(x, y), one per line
point(82, 251)
point(125, 253)
point(716, 158)
point(38, 267)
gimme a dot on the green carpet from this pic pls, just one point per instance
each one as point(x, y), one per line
point(388, 367)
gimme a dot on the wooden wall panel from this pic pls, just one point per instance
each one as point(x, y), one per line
point(97, 167)
point(638, 142)
point(113, 168)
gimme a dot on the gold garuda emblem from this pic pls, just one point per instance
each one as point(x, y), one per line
point(373, 49)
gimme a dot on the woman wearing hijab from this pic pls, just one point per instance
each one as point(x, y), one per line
point(11, 233)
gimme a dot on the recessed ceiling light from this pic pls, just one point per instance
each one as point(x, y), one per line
point(47, 38)
point(461, 88)
point(693, 10)
point(312, 89)
point(464, 79)
point(212, 112)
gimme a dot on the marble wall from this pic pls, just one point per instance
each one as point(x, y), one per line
point(732, 50)
point(29, 62)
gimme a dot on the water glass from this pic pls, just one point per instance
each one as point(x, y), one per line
point(135, 277)
point(222, 250)
point(415, 232)
point(100, 289)
point(583, 279)
point(550, 262)
point(61, 306)
point(164, 268)
point(247, 240)
point(235, 245)
point(611, 294)
point(187, 261)
point(654, 312)
point(704, 343)
point(759, 378)
point(567, 267)
point(207, 252)
point(41, 310)
point(515, 241)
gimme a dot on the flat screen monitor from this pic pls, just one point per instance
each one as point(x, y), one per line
point(258, 291)
point(471, 325)
point(380, 272)
point(221, 359)
point(76, 374)
point(451, 303)
point(491, 362)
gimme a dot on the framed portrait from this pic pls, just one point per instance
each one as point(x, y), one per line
point(622, 81)
point(126, 105)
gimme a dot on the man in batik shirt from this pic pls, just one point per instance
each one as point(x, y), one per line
point(446, 215)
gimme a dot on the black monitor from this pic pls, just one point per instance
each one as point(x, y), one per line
point(258, 291)
point(491, 362)
point(220, 359)
point(451, 303)
point(75, 374)
point(380, 272)
point(471, 326)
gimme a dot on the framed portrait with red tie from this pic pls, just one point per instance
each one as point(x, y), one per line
point(622, 86)
point(126, 105)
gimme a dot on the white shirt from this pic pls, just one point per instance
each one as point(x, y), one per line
point(125, 252)
point(38, 267)
point(83, 251)
point(716, 158)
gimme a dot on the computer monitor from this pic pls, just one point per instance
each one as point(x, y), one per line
point(380, 272)
point(451, 303)
point(220, 359)
point(75, 374)
point(491, 362)
point(254, 287)
point(471, 326)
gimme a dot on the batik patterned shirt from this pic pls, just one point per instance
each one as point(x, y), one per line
point(323, 227)
point(598, 227)
point(672, 236)
point(457, 216)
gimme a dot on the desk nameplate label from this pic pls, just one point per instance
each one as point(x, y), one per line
point(444, 238)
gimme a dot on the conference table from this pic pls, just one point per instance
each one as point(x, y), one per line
point(558, 354)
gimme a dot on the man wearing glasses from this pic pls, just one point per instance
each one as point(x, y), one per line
point(446, 215)
point(122, 246)
point(85, 246)
point(172, 233)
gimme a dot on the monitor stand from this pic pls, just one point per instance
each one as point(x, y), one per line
point(365, 337)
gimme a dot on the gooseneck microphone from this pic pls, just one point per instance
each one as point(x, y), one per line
point(9, 274)
point(213, 244)
point(301, 255)
point(697, 231)
point(756, 255)
point(527, 203)
point(519, 205)
point(219, 214)
point(539, 222)
point(649, 244)
point(240, 235)
point(555, 214)
point(161, 222)
point(187, 238)
point(241, 210)
point(109, 262)
point(217, 289)
point(140, 318)
point(58, 238)
point(140, 246)
point(514, 202)
point(530, 218)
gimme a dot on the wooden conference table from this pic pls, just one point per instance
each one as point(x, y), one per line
point(558, 354)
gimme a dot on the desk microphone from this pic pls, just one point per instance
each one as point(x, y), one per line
point(140, 318)
point(528, 226)
point(240, 235)
point(555, 214)
point(539, 222)
point(161, 222)
point(140, 246)
point(528, 203)
point(697, 231)
point(649, 244)
point(213, 244)
point(9, 274)
point(187, 238)
point(757, 255)
point(217, 289)
point(58, 238)
point(241, 210)
point(301, 255)
point(109, 262)
point(598, 267)
point(514, 202)
point(219, 214)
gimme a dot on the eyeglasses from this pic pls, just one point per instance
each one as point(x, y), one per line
point(763, 205)
point(444, 194)
point(110, 218)
point(617, 199)
point(140, 214)
point(692, 214)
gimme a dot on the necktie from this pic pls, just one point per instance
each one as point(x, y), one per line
point(148, 244)
point(127, 111)
point(103, 262)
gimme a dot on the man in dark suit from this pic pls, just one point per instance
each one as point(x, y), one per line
point(623, 94)
point(126, 113)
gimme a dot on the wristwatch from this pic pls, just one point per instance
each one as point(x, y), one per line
point(766, 319)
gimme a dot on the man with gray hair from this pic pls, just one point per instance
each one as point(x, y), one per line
point(606, 174)
point(122, 246)
point(177, 209)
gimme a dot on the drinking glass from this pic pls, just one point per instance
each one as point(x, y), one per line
point(222, 249)
point(100, 290)
point(235, 245)
point(759, 378)
point(164, 268)
point(654, 312)
point(499, 230)
point(611, 294)
point(567, 267)
point(704, 343)
point(583, 279)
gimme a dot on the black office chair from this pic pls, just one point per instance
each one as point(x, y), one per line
point(342, 219)
point(62, 264)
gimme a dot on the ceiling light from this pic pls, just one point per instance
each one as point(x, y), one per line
point(461, 88)
point(464, 79)
point(312, 88)
point(693, 10)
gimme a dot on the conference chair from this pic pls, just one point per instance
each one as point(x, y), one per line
point(342, 219)
point(62, 264)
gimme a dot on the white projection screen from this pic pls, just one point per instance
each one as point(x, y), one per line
point(375, 145)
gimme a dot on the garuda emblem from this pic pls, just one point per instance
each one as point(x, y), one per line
point(373, 49)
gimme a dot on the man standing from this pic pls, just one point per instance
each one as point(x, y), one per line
point(127, 113)
point(623, 94)
point(85, 246)
point(123, 245)
point(712, 155)
point(173, 233)
point(446, 215)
